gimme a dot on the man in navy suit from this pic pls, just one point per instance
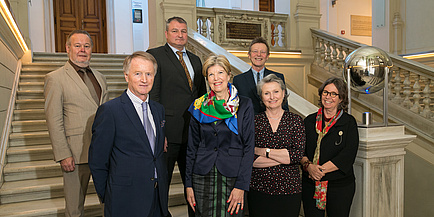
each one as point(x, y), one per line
point(247, 81)
point(126, 152)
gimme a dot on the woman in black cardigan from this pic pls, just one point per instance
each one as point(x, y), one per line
point(332, 141)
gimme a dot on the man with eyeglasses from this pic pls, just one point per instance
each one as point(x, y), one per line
point(72, 96)
point(247, 81)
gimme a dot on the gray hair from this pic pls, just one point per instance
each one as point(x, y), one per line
point(78, 31)
point(268, 79)
point(142, 55)
point(177, 19)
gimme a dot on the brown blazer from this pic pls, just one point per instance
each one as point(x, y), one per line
point(70, 111)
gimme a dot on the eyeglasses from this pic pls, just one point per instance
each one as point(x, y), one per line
point(259, 52)
point(332, 94)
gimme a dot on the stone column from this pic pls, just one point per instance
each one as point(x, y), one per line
point(161, 10)
point(305, 14)
point(379, 170)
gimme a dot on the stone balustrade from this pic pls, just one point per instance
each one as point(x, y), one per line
point(411, 83)
point(212, 24)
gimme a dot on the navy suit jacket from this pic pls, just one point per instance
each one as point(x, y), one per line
point(246, 86)
point(122, 162)
point(215, 144)
point(172, 90)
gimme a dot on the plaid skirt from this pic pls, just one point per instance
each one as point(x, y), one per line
point(211, 192)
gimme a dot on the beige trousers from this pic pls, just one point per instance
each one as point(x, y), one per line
point(75, 187)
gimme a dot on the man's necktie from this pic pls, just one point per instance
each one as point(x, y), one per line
point(181, 59)
point(258, 78)
point(90, 86)
point(148, 127)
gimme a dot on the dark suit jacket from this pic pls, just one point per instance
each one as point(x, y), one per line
point(121, 160)
point(339, 145)
point(215, 144)
point(171, 89)
point(246, 86)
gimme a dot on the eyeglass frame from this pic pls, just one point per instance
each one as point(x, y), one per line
point(331, 94)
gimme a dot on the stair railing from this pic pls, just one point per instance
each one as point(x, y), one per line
point(411, 84)
point(8, 120)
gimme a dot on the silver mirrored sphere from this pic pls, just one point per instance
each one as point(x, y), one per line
point(367, 69)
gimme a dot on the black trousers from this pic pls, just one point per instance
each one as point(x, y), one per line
point(177, 152)
point(264, 205)
point(339, 200)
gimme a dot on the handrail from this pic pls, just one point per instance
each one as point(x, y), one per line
point(8, 121)
point(410, 88)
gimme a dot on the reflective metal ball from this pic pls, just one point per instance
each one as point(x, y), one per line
point(367, 69)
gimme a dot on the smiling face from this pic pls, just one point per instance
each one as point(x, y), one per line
point(258, 55)
point(329, 103)
point(272, 95)
point(176, 34)
point(140, 77)
point(79, 50)
point(218, 79)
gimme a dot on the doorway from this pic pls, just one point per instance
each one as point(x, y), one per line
point(89, 15)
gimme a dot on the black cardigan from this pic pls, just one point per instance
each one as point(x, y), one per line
point(339, 145)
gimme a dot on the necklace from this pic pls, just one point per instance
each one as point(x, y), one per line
point(278, 116)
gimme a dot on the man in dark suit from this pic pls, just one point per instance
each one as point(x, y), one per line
point(126, 153)
point(247, 81)
point(178, 82)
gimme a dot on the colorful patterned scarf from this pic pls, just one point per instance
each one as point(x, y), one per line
point(321, 186)
point(208, 109)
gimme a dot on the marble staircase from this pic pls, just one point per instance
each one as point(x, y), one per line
point(33, 184)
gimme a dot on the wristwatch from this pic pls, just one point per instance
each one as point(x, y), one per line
point(267, 152)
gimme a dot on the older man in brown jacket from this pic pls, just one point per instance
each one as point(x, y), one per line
point(72, 96)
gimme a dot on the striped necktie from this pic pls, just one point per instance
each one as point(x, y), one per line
point(181, 59)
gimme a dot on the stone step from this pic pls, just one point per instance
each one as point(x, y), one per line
point(31, 170)
point(29, 126)
point(51, 65)
point(30, 94)
point(176, 195)
point(29, 114)
point(32, 78)
point(48, 208)
point(36, 85)
point(34, 88)
point(29, 104)
point(35, 189)
point(29, 139)
point(33, 70)
point(32, 153)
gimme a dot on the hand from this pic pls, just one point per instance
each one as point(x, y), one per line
point(165, 144)
point(236, 200)
point(68, 164)
point(315, 172)
point(190, 197)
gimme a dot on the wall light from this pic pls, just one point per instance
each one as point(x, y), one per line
point(7, 16)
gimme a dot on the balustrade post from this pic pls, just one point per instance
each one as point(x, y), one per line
point(322, 46)
point(276, 36)
point(334, 64)
point(282, 34)
point(340, 59)
point(427, 99)
point(416, 96)
point(328, 57)
point(204, 24)
point(407, 91)
point(397, 99)
point(317, 57)
point(211, 28)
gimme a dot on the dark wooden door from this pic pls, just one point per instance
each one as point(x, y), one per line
point(266, 5)
point(88, 15)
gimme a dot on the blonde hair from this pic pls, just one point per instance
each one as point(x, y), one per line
point(213, 60)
